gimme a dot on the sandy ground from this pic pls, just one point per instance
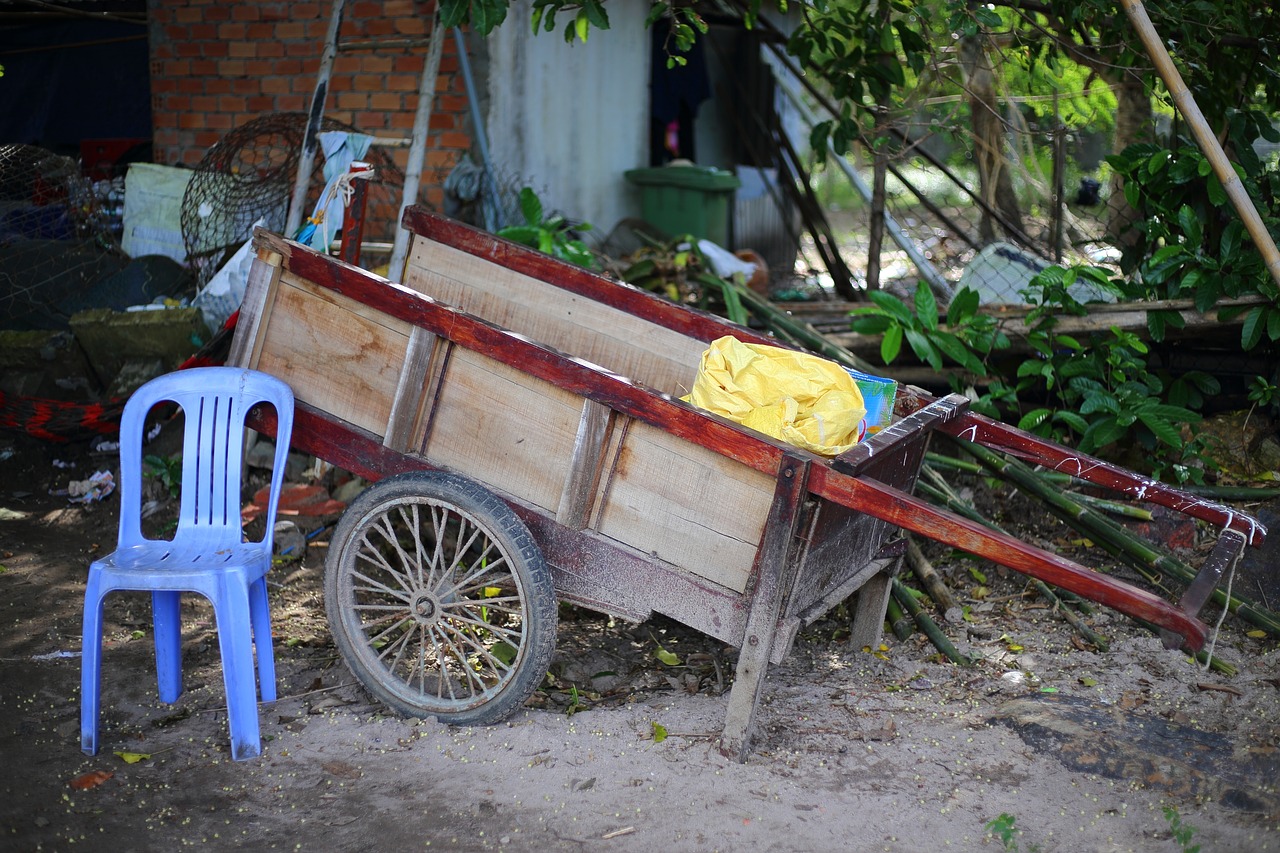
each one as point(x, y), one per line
point(887, 749)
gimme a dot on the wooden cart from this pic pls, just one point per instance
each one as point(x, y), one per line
point(520, 417)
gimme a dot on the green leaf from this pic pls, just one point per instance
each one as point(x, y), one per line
point(893, 306)
point(1190, 224)
point(453, 13)
point(659, 732)
point(596, 14)
point(1230, 243)
point(959, 353)
point(487, 14)
point(132, 757)
point(1251, 331)
point(1033, 419)
point(1072, 420)
point(926, 306)
point(1217, 194)
point(891, 344)
point(870, 325)
point(582, 25)
point(1157, 161)
point(964, 305)
point(504, 652)
point(666, 657)
point(924, 348)
point(530, 206)
point(1162, 429)
point(1101, 433)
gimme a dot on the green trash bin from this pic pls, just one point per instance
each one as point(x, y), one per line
point(687, 200)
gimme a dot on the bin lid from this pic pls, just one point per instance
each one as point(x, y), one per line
point(688, 177)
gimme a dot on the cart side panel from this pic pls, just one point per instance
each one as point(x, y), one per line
point(659, 357)
point(843, 540)
point(503, 427)
point(307, 320)
point(685, 504)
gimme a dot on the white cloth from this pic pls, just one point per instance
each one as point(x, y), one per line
point(341, 149)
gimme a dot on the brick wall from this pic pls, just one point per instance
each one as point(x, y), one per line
point(216, 64)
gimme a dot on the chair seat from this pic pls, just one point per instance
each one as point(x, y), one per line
point(159, 564)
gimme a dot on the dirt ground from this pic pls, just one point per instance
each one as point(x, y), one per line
point(887, 749)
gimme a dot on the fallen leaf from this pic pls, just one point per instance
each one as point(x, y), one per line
point(132, 757)
point(1257, 634)
point(666, 657)
point(92, 779)
point(659, 732)
point(1089, 682)
point(1220, 688)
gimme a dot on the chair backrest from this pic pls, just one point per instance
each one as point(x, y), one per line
point(214, 402)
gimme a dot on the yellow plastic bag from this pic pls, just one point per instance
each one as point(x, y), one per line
point(793, 396)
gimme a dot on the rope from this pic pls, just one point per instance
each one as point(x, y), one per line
point(1226, 605)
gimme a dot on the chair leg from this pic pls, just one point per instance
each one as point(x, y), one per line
point(260, 615)
point(90, 667)
point(167, 622)
point(236, 641)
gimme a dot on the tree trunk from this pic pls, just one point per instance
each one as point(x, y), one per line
point(988, 138)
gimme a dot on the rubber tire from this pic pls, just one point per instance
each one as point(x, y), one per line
point(526, 564)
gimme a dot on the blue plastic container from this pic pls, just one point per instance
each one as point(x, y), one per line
point(878, 393)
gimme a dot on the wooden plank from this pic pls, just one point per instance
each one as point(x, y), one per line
point(623, 343)
point(570, 278)
point(872, 604)
point(774, 572)
point(584, 468)
point(255, 309)
point(686, 505)
point(311, 330)
point(407, 405)
point(907, 430)
point(503, 427)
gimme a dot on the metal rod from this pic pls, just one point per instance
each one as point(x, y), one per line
point(489, 204)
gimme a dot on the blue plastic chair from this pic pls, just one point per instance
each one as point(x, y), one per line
point(207, 553)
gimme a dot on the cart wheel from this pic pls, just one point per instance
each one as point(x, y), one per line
point(439, 599)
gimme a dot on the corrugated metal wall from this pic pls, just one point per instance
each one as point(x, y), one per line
point(569, 119)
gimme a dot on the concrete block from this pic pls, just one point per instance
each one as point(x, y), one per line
point(154, 341)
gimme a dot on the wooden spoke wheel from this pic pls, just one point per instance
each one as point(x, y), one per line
point(439, 599)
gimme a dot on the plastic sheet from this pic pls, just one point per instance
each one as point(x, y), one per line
point(793, 396)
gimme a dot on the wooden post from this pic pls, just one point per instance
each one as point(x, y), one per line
point(775, 571)
point(1204, 135)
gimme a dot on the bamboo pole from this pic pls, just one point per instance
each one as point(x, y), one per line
point(1204, 135)
point(1150, 561)
point(901, 626)
point(933, 584)
point(926, 624)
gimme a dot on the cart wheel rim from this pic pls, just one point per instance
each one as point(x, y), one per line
point(436, 603)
